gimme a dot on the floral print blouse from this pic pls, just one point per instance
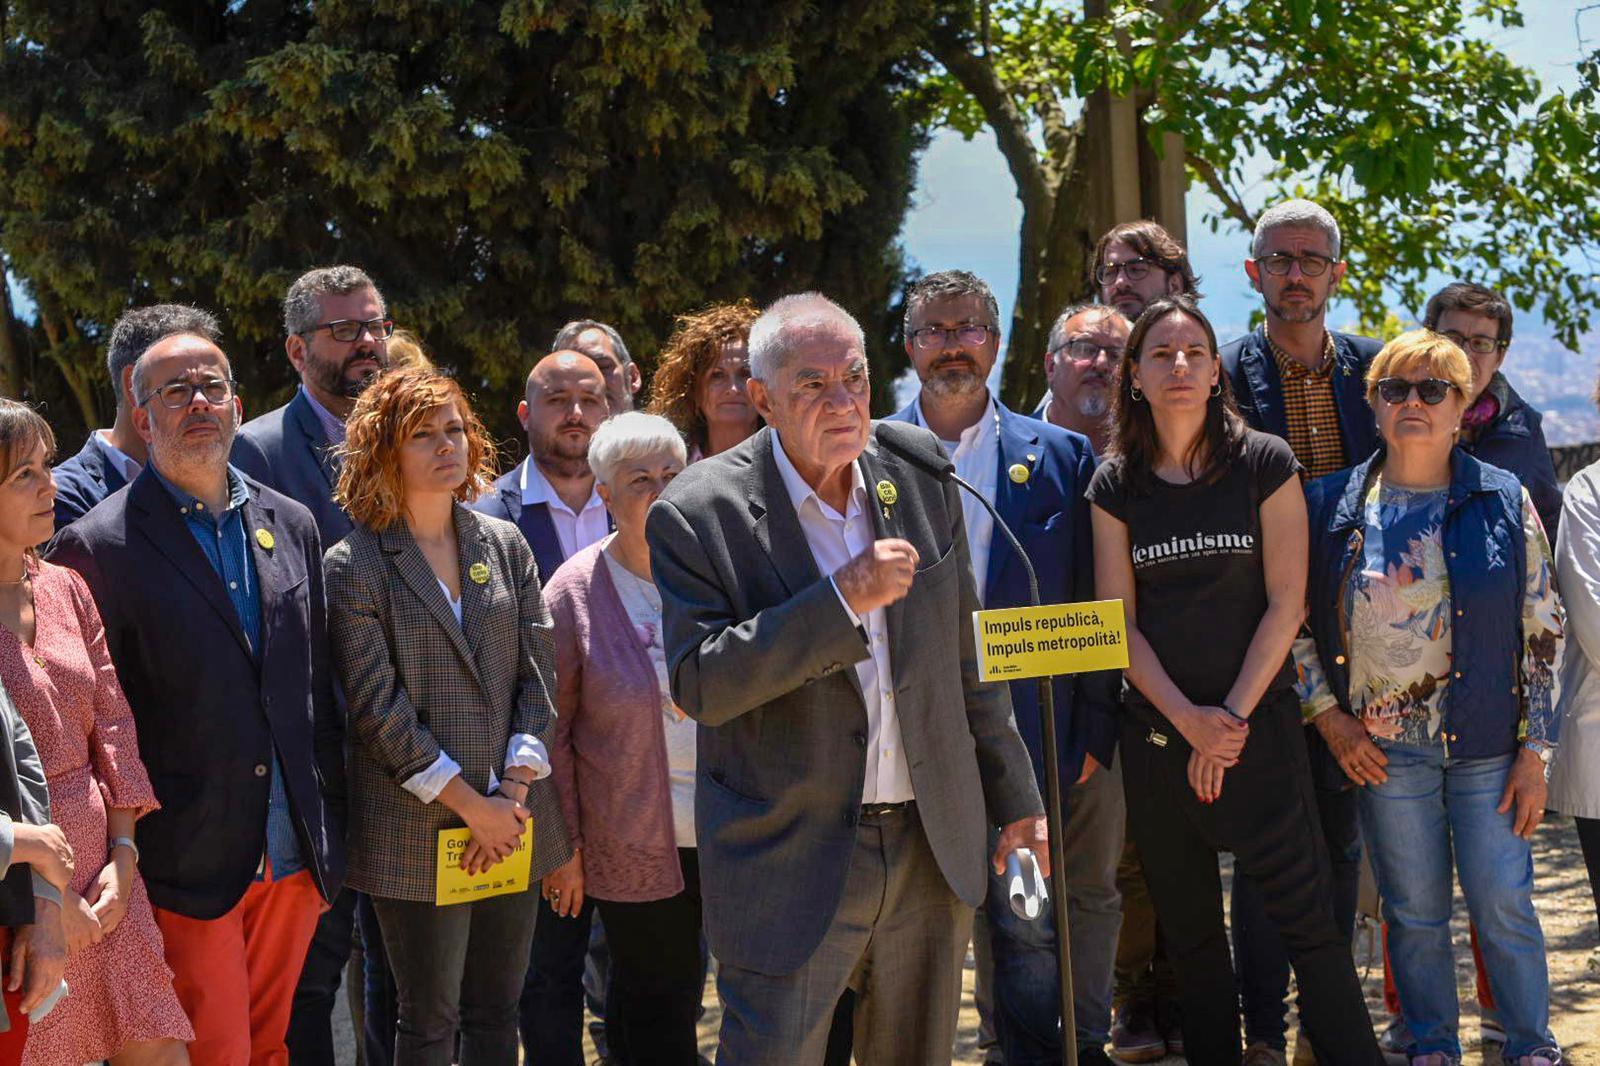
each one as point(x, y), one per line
point(1398, 604)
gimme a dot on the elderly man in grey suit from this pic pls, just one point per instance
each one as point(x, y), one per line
point(817, 596)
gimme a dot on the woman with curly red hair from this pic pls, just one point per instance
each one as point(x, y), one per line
point(442, 642)
point(701, 376)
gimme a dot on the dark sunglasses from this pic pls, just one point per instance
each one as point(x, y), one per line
point(1430, 391)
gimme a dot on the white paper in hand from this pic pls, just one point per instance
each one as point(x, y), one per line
point(1026, 886)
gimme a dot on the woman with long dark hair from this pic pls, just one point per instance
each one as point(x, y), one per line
point(1200, 529)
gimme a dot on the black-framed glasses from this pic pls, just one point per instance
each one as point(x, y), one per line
point(969, 336)
point(1430, 391)
point(1477, 344)
point(345, 330)
point(177, 395)
point(1132, 269)
point(1087, 351)
point(1312, 265)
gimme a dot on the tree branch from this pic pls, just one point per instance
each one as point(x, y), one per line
point(977, 75)
point(1219, 188)
point(1060, 135)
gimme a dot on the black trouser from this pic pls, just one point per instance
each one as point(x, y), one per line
point(656, 977)
point(1258, 950)
point(316, 994)
point(1266, 816)
point(450, 969)
point(1589, 840)
point(551, 1008)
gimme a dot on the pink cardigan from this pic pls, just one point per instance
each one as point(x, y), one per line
point(608, 754)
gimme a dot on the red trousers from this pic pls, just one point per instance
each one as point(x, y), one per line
point(1391, 998)
point(12, 1040)
point(235, 975)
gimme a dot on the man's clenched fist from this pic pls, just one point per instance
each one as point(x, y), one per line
point(878, 576)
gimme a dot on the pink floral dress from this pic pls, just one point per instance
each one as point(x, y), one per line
point(66, 690)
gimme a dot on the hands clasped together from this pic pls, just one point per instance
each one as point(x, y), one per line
point(1218, 738)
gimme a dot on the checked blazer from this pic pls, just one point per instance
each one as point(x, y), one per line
point(418, 684)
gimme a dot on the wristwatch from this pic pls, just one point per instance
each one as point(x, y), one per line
point(1541, 749)
point(124, 842)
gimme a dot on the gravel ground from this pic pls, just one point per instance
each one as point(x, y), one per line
point(1566, 909)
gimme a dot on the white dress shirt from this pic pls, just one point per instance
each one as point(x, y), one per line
point(575, 530)
point(977, 459)
point(522, 750)
point(126, 465)
point(834, 540)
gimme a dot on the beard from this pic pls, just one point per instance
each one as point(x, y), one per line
point(337, 379)
point(176, 455)
point(556, 450)
point(1306, 312)
point(1094, 403)
point(955, 378)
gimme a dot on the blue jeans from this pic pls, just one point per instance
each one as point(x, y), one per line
point(1430, 808)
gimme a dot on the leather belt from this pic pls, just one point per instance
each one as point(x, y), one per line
point(881, 810)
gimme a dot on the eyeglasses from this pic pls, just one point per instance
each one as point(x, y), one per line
point(1087, 351)
point(180, 394)
point(1312, 265)
point(1132, 269)
point(1477, 344)
point(1430, 391)
point(345, 330)
point(931, 337)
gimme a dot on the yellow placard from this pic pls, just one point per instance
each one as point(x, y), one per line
point(1058, 638)
point(455, 885)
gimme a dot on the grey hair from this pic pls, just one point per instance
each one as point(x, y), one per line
point(1058, 332)
point(567, 337)
point(1296, 213)
point(141, 368)
point(948, 285)
point(632, 435)
point(139, 328)
point(768, 334)
point(302, 304)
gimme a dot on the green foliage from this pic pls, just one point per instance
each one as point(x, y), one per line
point(499, 168)
point(1437, 153)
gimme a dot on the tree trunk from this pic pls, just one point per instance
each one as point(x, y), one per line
point(10, 345)
point(64, 351)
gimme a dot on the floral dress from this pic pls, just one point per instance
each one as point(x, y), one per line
point(66, 690)
point(1398, 604)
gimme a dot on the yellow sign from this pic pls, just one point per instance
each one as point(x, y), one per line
point(1059, 638)
point(452, 884)
point(479, 573)
point(264, 538)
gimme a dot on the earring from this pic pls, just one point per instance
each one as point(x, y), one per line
point(1216, 390)
point(1133, 390)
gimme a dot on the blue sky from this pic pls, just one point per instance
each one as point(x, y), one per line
point(965, 212)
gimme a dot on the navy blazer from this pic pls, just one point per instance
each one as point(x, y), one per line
point(504, 500)
point(1258, 389)
point(287, 451)
point(209, 711)
point(1050, 516)
point(1514, 441)
point(83, 481)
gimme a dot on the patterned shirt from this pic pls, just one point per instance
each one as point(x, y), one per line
point(1398, 606)
point(226, 545)
point(1308, 405)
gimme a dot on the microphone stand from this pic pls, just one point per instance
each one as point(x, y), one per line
point(1052, 799)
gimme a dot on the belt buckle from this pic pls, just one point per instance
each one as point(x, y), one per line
point(1158, 739)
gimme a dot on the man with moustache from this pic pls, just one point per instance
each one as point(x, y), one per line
point(1035, 475)
point(1085, 348)
point(336, 330)
point(210, 588)
point(551, 497)
point(604, 345)
point(817, 595)
point(111, 458)
point(1301, 381)
point(1135, 262)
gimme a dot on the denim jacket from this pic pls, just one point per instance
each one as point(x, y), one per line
point(1485, 556)
point(1258, 390)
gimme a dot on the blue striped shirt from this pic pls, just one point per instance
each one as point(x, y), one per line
point(225, 543)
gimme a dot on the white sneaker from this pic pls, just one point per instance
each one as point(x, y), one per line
point(1490, 1031)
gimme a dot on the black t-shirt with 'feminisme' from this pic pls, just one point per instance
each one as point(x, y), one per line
point(1197, 564)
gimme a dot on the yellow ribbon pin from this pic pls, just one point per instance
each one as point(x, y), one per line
point(887, 493)
point(1019, 473)
point(479, 573)
point(265, 539)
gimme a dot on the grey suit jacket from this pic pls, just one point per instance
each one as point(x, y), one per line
point(761, 651)
point(287, 450)
point(417, 684)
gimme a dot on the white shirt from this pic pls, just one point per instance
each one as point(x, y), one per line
point(575, 530)
point(977, 459)
point(834, 540)
point(522, 750)
point(126, 465)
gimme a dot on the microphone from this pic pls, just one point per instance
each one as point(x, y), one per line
point(943, 470)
